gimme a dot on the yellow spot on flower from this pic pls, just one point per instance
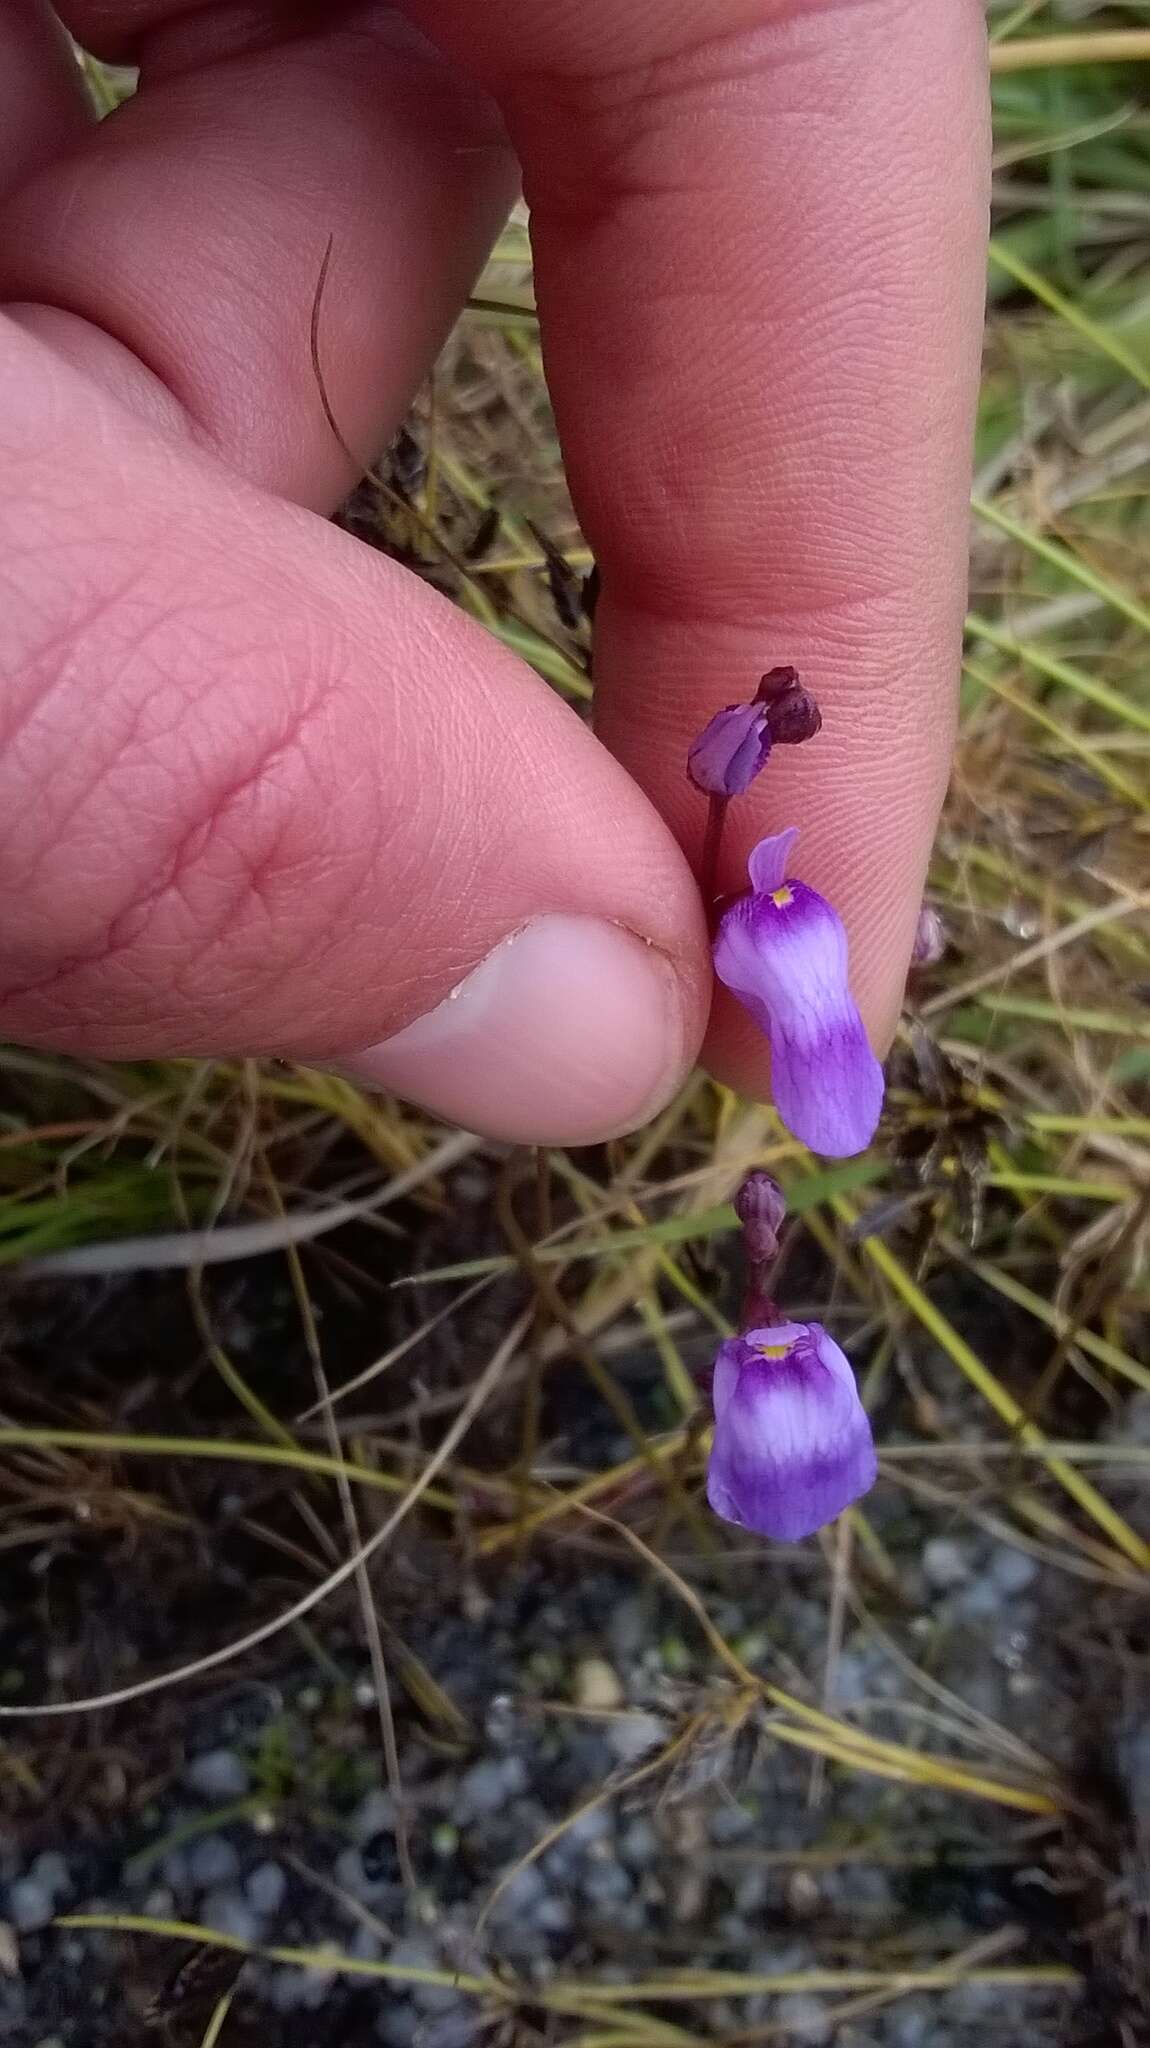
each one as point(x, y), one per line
point(782, 897)
point(772, 1350)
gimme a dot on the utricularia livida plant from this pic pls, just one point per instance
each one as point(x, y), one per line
point(792, 1445)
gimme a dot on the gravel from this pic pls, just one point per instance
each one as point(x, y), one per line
point(218, 1774)
point(945, 1563)
point(212, 1860)
point(31, 1904)
point(229, 1912)
point(266, 1888)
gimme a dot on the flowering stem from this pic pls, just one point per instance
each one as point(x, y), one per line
point(760, 1309)
point(712, 844)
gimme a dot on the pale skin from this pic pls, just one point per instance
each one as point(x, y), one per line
point(261, 791)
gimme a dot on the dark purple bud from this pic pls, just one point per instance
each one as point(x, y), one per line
point(730, 751)
point(760, 1206)
point(792, 714)
point(930, 938)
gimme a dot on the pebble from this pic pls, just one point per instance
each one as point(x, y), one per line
point(554, 1916)
point(523, 1893)
point(488, 1786)
point(802, 2017)
point(266, 1887)
point(944, 1563)
point(592, 1826)
point(228, 1912)
point(212, 1861)
point(597, 1685)
point(639, 1843)
point(606, 1883)
point(218, 1774)
point(1012, 1570)
point(374, 1814)
point(30, 1905)
point(910, 2024)
point(51, 1870)
point(397, 2024)
point(631, 1736)
point(730, 1822)
point(412, 1953)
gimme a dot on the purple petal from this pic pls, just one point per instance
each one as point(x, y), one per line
point(767, 863)
point(783, 953)
point(730, 750)
point(792, 1445)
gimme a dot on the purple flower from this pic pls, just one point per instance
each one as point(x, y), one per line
point(782, 951)
point(792, 1444)
point(730, 751)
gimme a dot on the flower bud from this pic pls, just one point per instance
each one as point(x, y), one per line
point(730, 750)
point(760, 1206)
point(930, 939)
point(792, 714)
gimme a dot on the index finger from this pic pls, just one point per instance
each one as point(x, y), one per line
point(759, 234)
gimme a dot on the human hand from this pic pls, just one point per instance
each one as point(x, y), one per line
point(261, 790)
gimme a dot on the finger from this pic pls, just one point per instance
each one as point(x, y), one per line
point(42, 107)
point(317, 808)
point(191, 227)
point(759, 234)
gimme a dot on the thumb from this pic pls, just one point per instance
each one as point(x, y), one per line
point(263, 792)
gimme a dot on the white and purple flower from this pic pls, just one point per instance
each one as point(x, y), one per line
point(792, 1445)
point(782, 950)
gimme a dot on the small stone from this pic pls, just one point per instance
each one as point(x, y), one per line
point(522, 1894)
point(944, 1563)
point(212, 1861)
point(1012, 1570)
point(629, 1626)
point(30, 1905)
point(375, 1812)
point(554, 1916)
point(397, 2024)
point(639, 1844)
point(488, 1786)
point(605, 1883)
point(730, 1822)
point(803, 2018)
point(175, 1873)
point(228, 1912)
point(413, 1954)
point(218, 1774)
point(910, 2024)
point(266, 1887)
point(365, 1945)
point(632, 1736)
point(597, 1686)
point(52, 1872)
point(592, 1826)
